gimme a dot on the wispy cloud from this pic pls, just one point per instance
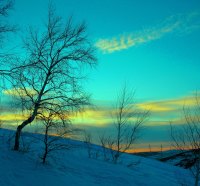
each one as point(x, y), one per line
point(161, 112)
point(181, 23)
point(167, 105)
point(99, 121)
point(12, 117)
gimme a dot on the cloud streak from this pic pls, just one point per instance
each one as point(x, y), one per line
point(161, 112)
point(19, 91)
point(167, 105)
point(181, 24)
point(100, 121)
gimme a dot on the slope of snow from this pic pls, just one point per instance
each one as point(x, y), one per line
point(181, 158)
point(74, 168)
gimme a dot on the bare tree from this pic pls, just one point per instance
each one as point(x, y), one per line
point(127, 122)
point(150, 148)
point(104, 144)
point(5, 7)
point(187, 137)
point(107, 144)
point(59, 55)
point(56, 127)
point(88, 142)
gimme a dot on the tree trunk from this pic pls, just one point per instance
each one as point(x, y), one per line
point(17, 137)
point(197, 173)
point(19, 129)
point(44, 156)
point(46, 146)
point(116, 157)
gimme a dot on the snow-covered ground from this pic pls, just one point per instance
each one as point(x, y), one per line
point(74, 168)
point(181, 158)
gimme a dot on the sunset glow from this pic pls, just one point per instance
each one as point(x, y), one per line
point(152, 46)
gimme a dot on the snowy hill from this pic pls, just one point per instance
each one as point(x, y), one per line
point(73, 167)
point(185, 159)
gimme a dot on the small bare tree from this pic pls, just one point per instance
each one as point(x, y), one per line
point(127, 122)
point(104, 141)
point(1, 122)
point(56, 127)
point(88, 142)
point(188, 136)
point(108, 146)
point(58, 55)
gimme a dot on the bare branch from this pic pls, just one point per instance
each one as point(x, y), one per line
point(56, 58)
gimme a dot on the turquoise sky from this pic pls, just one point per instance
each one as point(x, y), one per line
point(152, 45)
point(164, 65)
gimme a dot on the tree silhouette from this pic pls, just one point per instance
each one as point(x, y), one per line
point(57, 57)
